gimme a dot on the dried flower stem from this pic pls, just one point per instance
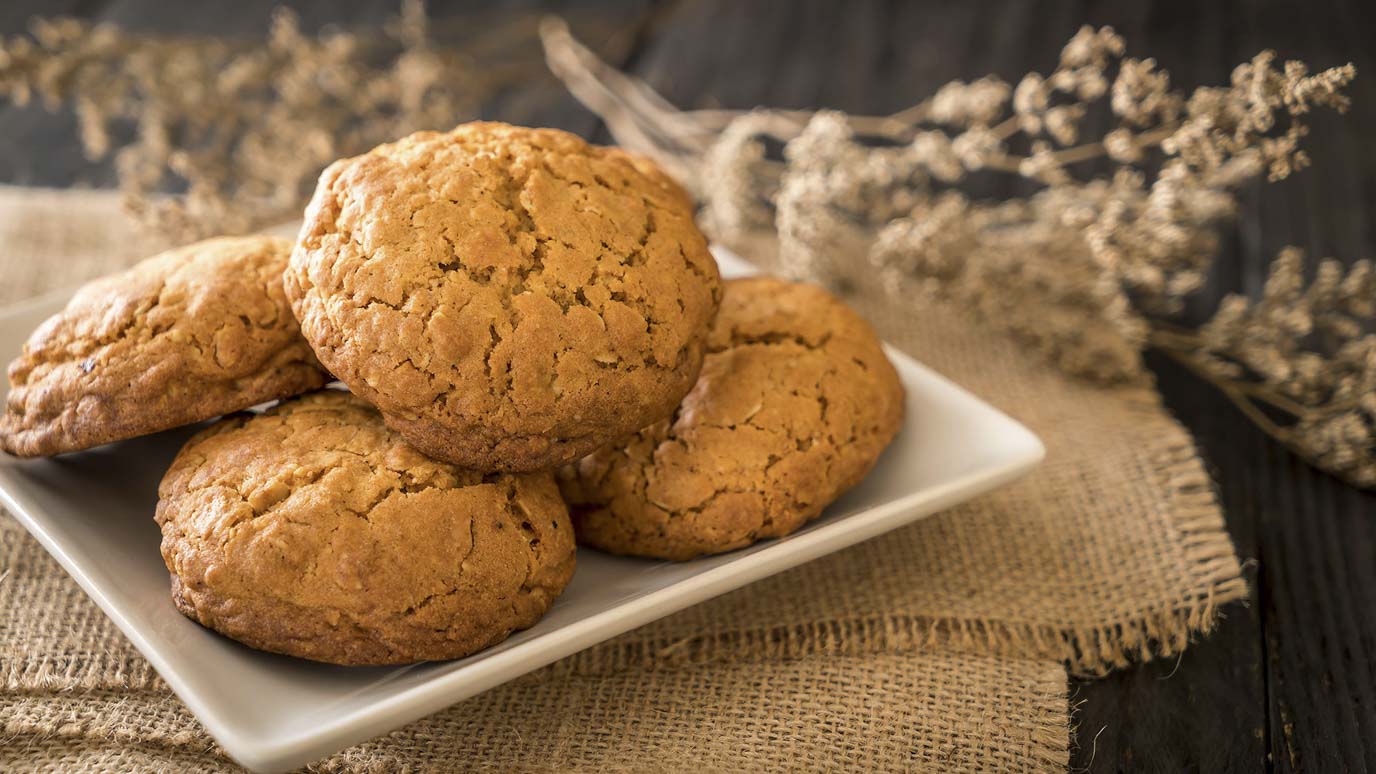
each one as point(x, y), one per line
point(1248, 397)
point(1244, 395)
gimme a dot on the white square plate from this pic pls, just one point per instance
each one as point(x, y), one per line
point(94, 512)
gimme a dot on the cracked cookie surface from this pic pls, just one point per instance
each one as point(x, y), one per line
point(795, 402)
point(315, 531)
point(181, 337)
point(509, 298)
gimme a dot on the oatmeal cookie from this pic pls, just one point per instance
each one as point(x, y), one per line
point(184, 336)
point(509, 298)
point(795, 403)
point(315, 531)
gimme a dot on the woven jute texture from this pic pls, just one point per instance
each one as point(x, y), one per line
point(942, 646)
point(821, 713)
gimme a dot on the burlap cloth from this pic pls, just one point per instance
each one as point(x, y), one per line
point(942, 646)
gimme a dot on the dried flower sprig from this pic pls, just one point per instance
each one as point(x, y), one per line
point(229, 136)
point(1088, 269)
point(1300, 361)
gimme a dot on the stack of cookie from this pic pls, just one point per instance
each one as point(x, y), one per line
point(527, 325)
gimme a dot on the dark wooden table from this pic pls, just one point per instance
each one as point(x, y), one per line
point(1286, 682)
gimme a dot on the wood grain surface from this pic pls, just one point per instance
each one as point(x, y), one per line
point(1286, 682)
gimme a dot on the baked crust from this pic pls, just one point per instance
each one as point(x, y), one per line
point(509, 298)
point(181, 337)
point(795, 402)
point(313, 530)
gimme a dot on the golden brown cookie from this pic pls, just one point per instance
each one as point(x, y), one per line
point(314, 530)
point(795, 403)
point(183, 336)
point(509, 298)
